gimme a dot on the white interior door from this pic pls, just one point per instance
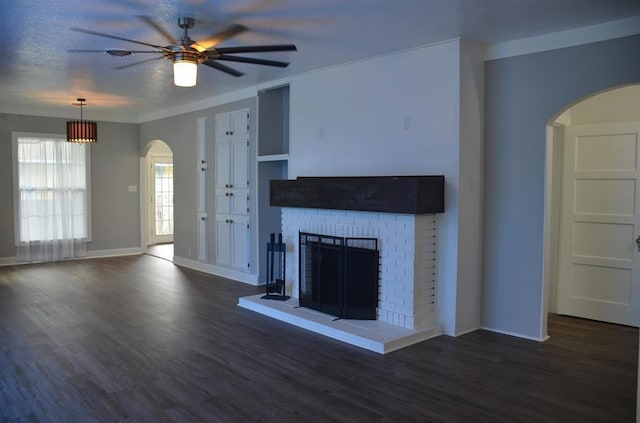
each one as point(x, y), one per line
point(599, 268)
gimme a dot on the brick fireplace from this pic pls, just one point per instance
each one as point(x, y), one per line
point(401, 213)
point(407, 244)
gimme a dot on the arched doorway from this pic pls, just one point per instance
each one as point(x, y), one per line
point(158, 201)
point(592, 211)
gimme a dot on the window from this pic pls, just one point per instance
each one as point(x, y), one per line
point(51, 189)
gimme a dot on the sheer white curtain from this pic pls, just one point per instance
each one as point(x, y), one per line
point(51, 214)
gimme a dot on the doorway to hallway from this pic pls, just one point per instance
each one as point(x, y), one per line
point(593, 196)
point(159, 202)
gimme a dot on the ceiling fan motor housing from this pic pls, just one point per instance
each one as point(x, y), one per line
point(186, 22)
point(189, 56)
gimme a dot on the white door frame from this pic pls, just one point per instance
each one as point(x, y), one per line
point(143, 203)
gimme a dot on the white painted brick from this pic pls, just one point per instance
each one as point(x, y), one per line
point(395, 300)
point(409, 322)
point(404, 310)
point(406, 246)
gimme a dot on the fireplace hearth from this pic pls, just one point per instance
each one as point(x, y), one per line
point(338, 275)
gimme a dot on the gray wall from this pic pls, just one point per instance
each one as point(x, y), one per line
point(114, 166)
point(180, 134)
point(522, 94)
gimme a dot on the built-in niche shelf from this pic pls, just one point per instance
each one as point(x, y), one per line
point(273, 158)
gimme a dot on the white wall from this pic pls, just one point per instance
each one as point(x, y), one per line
point(396, 115)
point(468, 304)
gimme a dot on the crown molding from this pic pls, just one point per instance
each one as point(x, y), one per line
point(574, 37)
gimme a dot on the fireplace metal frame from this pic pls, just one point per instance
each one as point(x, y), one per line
point(347, 299)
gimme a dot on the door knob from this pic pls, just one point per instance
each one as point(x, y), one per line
point(638, 242)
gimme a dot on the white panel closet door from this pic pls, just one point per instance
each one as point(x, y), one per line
point(202, 166)
point(599, 268)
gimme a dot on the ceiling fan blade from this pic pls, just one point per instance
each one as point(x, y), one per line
point(115, 37)
point(223, 68)
point(218, 37)
point(137, 63)
point(86, 51)
point(252, 60)
point(115, 52)
point(153, 24)
point(256, 49)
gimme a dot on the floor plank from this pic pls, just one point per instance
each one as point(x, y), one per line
point(137, 339)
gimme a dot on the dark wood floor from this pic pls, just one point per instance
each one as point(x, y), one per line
point(163, 251)
point(138, 339)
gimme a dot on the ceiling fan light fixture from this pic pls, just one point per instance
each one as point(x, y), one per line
point(82, 131)
point(186, 54)
point(185, 69)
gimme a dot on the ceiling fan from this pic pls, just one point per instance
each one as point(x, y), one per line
point(186, 53)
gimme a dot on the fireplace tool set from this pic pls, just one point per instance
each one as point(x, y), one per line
point(276, 263)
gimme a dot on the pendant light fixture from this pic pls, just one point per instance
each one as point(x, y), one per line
point(82, 131)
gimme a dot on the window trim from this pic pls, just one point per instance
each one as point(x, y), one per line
point(16, 189)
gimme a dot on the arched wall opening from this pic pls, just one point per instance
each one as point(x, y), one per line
point(607, 110)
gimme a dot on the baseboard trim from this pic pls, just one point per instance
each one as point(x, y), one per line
point(8, 261)
point(464, 332)
point(212, 269)
point(517, 335)
point(116, 252)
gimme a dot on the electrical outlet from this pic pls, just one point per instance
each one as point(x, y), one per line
point(406, 124)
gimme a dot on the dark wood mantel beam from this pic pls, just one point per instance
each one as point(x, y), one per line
point(386, 194)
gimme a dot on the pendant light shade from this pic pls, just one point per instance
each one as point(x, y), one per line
point(82, 131)
point(185, 69)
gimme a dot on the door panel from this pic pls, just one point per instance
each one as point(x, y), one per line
point(601, 283)
point(223, 202)
point(240, 244)
point(239, 122)
point(603, 240)
point(223, 237)
point(240, 203)
point(605, 196)
point(240, 163)
point(606, 151)
point(599, 264)
point(223, 164)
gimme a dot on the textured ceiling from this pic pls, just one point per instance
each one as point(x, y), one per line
point(38, 73)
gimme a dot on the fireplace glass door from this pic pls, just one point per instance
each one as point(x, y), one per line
point(339, 276)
